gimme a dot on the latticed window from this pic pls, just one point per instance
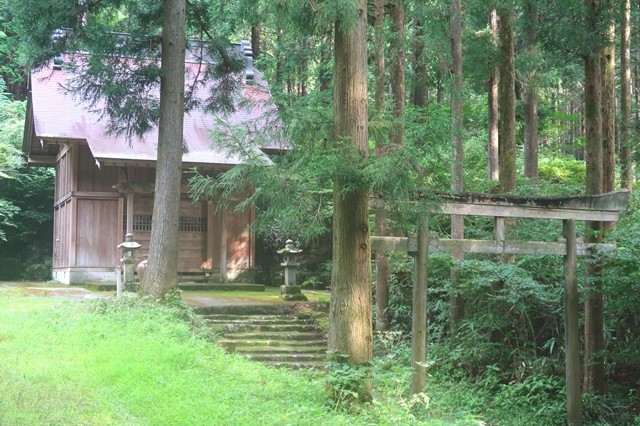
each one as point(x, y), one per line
point(187, 223)
point(142, 222)
point(193, 224)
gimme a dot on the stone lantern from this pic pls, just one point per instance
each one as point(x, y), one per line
point(128, 248)
point(290, 290)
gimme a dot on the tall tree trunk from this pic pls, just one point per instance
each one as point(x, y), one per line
point(593, 305)
point(382, 263)
point(627, 164)
point(457, 155)
point(350, 329)
point(162, 272)
point(492, 90)
point(507, 104)
point(608, 69)
point(419, 87)
point(506, 119)
point(397, 72)
point(255, 41)
point(531, 95)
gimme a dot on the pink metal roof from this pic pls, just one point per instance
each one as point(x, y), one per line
point(58, 115)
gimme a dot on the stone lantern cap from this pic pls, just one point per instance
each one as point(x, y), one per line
point(129, 243)
point(290, 248)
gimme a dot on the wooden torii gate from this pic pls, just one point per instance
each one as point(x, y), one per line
point(605, 208)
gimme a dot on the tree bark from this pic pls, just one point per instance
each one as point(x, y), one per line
point(492, 90)
point(350, 329)
point(420, 86)
point(531, 95)
point(398, 77)
point(457, 155)
point(382, 263)
point(162, 272)
point(507, 104)
point(255, 41)
point(608, 110)
point(627, 164)
point(593, 377)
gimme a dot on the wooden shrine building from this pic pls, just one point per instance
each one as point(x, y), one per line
point(104, 183)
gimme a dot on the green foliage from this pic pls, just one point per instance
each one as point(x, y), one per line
point(621, 285)
point(563, 170)
point(7, 211)
point(346, 383)
point(11, 128)
point(25, 252)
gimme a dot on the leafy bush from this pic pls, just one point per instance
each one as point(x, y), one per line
point(563, 170)
point(621, 286)
point(346, 383)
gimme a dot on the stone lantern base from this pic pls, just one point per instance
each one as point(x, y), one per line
point(292, 292)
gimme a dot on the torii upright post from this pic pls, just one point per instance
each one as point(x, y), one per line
point(571, 327)
point(419, 324)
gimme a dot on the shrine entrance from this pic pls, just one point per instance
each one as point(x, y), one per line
point(602, 208)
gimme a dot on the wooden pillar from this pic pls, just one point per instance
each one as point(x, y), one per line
point(223, 245)
point(419, 323)
point(130, 196)
point(499, 231)
point(130, 213)
point(572, 331)
point(211, 241)
point(73, 231)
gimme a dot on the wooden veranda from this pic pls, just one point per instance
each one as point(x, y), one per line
point(605, 208)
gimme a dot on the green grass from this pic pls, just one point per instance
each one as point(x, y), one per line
point(102, 362)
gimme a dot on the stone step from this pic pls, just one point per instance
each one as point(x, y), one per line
point(233, 317)
point(232, 344)
point(259, 322)
point(271, 337)
point(296, 365)
point(247, 309)
point(316, 349)
point(282, 357)
point(248, 327)
point(275, 335)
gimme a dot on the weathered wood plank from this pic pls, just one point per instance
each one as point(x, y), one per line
point(611, 201)
point(404, 244)
point(529, 212)
point(604, 207)
point(572, 327)
point(389, 244)
point(419, 311)
point(41, 160)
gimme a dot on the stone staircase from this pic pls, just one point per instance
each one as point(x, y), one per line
point(272, 339)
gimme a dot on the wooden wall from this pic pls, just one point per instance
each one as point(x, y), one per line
point(87, 211)
point(90, 218)
point(92, 178)
point(239, 241)
point(61, 232)
point(97, 235)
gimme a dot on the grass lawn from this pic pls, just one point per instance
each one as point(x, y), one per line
point(101, 362)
